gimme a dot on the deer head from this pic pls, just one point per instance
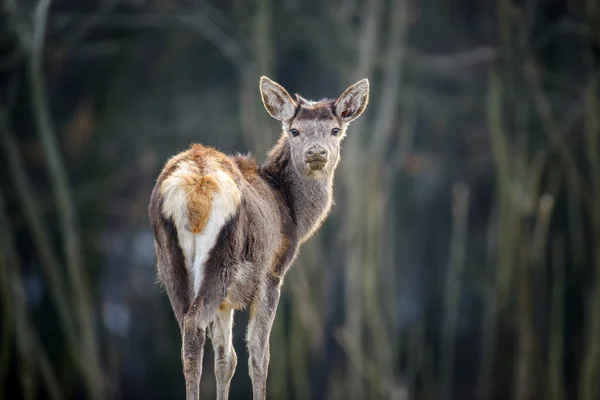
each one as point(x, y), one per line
point(314, 129)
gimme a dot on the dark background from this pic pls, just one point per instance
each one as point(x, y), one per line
point(461, 260)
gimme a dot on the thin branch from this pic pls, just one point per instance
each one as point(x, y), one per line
point(82, 193)
point(564, 26)
point(196, 21)
point(39, 231)
point(458, 60)
point(367, 40)
point(256, 134)
point(6, 350)
point(367, 368)
point(500, 150)
point(28, 344)
point(570, 118)
point(354, 290)
point(556, 351)
point(66, 209)
point(588, 385)
point(15, 22)
point(95, 49)
point(307, 301)
point(215, 34)
point(388, 105)
point(504, 177)
point(39, 26)
point(550, 128)
point(453, 284)
point(88, 24)
point(402, 149)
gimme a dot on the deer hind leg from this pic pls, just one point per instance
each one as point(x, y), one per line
point(225, 357)
point(212, 289)
point(262, 315)
point(202, 311)
point(178, 288)
point(171, 268)
point(192, 355)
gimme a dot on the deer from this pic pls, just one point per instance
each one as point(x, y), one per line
point(226, 229)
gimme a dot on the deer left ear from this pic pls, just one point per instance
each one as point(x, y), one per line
point(353, 101)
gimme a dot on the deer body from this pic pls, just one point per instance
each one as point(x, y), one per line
point(226, 229)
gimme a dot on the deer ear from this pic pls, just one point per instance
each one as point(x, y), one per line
point(353, 101)
point(276, 100)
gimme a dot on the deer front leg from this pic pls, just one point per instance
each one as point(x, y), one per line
point(225, 357)
point(262, 315)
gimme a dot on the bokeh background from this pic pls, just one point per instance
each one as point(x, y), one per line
point(462, 257)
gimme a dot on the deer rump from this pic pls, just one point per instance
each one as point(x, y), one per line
point(215, 205)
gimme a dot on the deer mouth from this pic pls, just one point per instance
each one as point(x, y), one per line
point(316, 163)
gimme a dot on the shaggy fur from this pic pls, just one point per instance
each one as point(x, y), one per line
point(227, 230)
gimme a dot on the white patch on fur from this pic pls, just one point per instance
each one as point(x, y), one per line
point(196, 247)
point(174, 191)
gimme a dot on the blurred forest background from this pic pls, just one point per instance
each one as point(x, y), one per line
point(462, 257)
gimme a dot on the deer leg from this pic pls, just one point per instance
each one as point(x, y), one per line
point(171, 268)
point(225, 357)
point(204, 309)
point(194, 336)
point(262, 315)
point(179, 296)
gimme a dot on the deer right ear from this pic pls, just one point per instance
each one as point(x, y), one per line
point(276, 100)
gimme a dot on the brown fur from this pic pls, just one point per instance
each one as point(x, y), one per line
point(199, 203)
point(280, 256)
point(271, 209)
point(322, 110)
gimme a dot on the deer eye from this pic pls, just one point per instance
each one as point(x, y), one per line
point(295, 132)
point(335, 131)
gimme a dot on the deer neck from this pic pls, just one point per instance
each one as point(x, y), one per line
point(308, 200)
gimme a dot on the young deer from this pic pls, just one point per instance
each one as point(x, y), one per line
point(226, 229)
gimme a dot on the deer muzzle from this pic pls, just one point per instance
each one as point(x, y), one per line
point(316, 157)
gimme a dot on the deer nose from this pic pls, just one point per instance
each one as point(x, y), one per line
point(317, 150)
